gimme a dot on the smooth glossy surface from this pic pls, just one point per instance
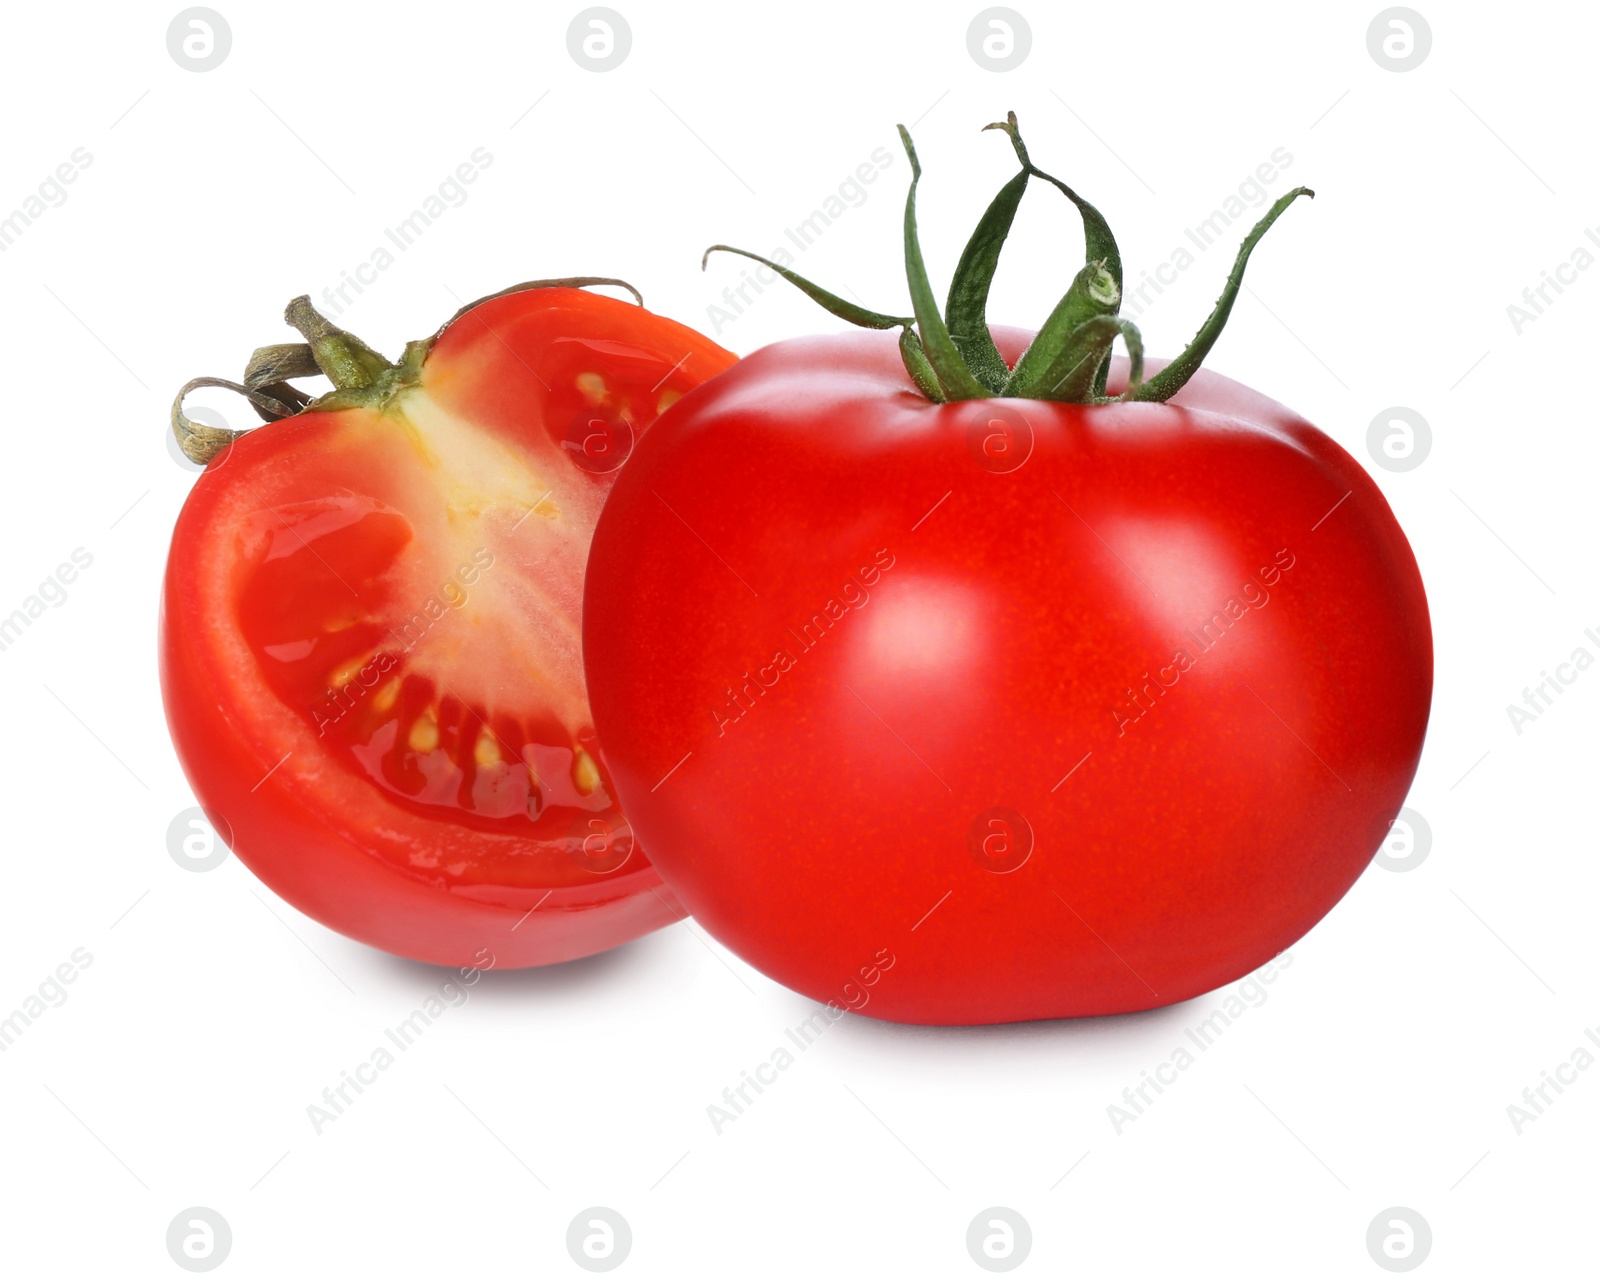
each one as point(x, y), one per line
point(370, 640)
point(1074, 710)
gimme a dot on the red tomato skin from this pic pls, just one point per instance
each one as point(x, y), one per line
point(327, 869)
point(333, 846)
point(817, 814)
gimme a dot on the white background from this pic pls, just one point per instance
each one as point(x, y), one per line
point(1379, 1071)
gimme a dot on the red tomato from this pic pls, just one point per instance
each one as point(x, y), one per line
point(1068, 709)
point(370, 639)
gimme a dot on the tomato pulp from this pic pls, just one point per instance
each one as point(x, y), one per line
point(1075, 709)
point(370, 650)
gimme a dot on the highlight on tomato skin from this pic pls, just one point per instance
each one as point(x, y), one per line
point(371, 622)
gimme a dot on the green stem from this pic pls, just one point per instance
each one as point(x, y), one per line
point(348, 363)
point(1071, 375)
point(1093, 293)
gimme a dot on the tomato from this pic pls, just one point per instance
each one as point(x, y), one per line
point(370, 631)
point(1070, 708)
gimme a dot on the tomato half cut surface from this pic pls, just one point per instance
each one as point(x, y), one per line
point(371, 639)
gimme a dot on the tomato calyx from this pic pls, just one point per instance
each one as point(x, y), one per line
point(953, 356)
point(360, 375)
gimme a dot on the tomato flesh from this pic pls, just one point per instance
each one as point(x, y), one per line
point(388, 601)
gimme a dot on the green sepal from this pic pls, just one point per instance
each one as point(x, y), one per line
point(966, 309)
point(1098, 242)
point(1164, 385)
point(954, 376)
point(916, 362)
point(832, 303)
point(1134, 341)
point(954, 357)
point(1099, 245)
point(269, 371)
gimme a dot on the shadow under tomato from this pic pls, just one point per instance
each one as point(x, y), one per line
point(616, 972)
point(1093, 1031)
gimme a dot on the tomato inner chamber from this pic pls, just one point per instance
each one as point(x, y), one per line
point(376, 655)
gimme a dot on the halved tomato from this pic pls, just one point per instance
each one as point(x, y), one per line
point(371, 632)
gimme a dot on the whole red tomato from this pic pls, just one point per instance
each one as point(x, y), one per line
point(370, 628)
point(1067, 708)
